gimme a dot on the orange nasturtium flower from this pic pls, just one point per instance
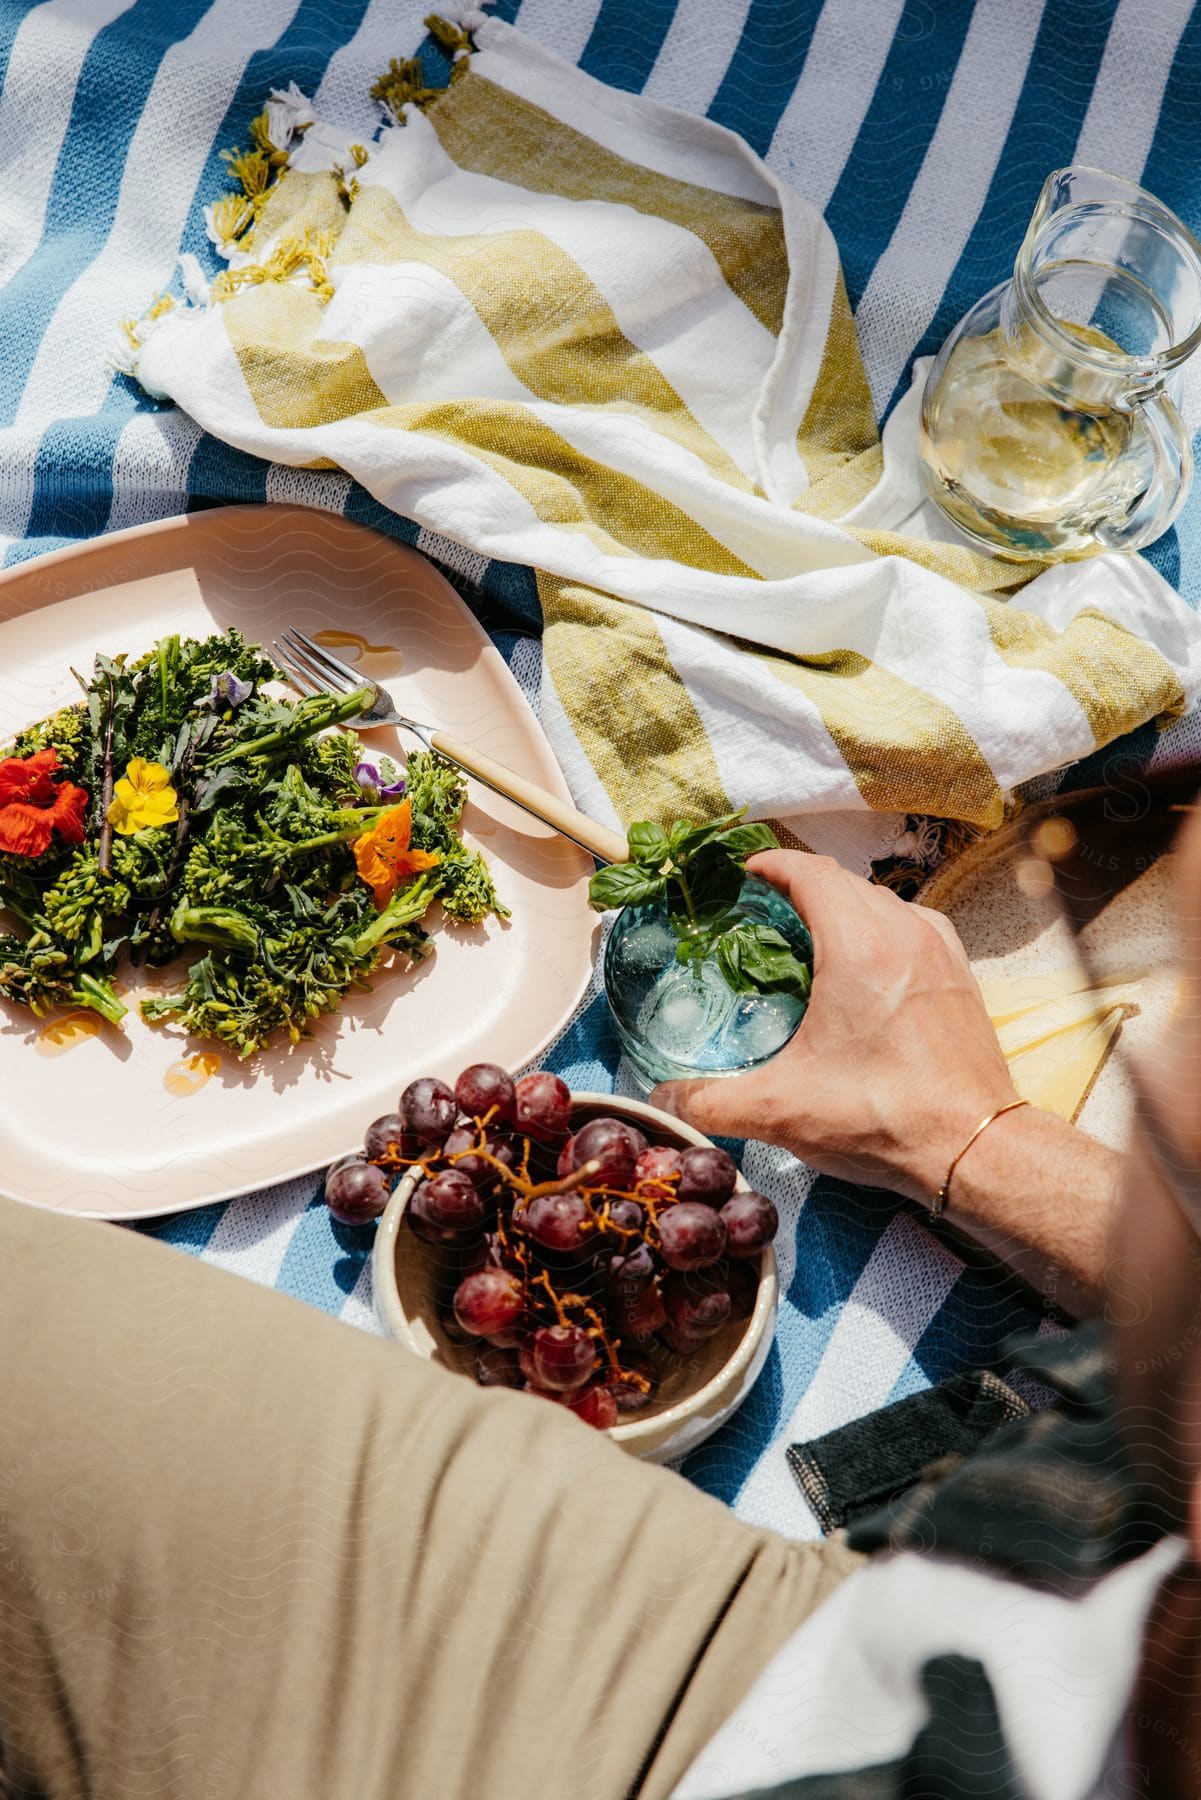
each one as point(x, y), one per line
point(382, 855)
point(143, 799)
point(33, 806)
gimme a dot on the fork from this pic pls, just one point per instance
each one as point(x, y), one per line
point(312, 670)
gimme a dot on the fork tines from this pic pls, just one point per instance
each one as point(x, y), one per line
point(312, 669)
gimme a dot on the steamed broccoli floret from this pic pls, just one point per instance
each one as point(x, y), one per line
point(468, 892)
point(83, 903)
point(328, 762)
point(143, 861)
point(438, 792)
point(266, 972)
point(65, 731)
point(39, 975)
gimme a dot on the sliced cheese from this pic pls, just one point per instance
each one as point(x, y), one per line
point(1009, 996)
point(1057, 1073)
point(1046, 1021)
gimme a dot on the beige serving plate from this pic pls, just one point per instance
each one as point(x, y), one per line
point(696, 1396)
point(135, 1122)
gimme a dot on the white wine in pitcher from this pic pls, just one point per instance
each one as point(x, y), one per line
point(1020, 468)
point(1048, 430)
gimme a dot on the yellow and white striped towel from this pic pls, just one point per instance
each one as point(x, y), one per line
point(576, 329)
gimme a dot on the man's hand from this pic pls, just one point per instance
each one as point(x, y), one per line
point(896, 1061)
point(895, 1064)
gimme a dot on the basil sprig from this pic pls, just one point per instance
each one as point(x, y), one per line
point(698, 871)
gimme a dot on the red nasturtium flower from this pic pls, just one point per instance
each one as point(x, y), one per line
point(33, 806)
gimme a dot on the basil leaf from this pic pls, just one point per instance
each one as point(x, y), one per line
point(697, 837)
point(757, 959)
point(729, 961)
point(696, 941)
point(714, 881)
point(692, 840)
point(689, 951)
point(648, 842)
point(624, 884)
point(749, 839)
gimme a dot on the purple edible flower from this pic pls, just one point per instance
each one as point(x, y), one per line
point(227, 690)
point(370, 778)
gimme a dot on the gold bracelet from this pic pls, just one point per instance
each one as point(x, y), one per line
point(940, 1199)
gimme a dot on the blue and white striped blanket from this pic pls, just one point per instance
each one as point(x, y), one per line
point(922, 127)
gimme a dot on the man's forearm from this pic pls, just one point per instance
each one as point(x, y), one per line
point(1056, 1190)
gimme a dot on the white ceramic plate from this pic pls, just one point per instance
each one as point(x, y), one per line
point(135, 1122)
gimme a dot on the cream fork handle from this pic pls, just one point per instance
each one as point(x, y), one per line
point(608, 845)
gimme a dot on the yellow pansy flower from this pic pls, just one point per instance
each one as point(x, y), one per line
point(143, 799)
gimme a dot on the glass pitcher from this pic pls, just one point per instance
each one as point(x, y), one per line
point(1048, 424)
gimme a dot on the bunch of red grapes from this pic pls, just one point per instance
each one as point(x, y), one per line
point(581, 1264)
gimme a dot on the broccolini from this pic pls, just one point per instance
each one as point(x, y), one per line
point(227, 830)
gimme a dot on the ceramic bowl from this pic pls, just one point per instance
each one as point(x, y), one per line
point(696, 1395)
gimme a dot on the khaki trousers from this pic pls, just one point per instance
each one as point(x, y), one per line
point(245, 1551)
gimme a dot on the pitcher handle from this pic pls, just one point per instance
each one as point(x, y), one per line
point(1172, 455)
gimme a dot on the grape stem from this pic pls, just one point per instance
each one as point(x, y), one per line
point(562, 1184)
point(542, 1279)
point(565, 1184)
point(595, 1329)
point(606, 1222)
point(561, 1302)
